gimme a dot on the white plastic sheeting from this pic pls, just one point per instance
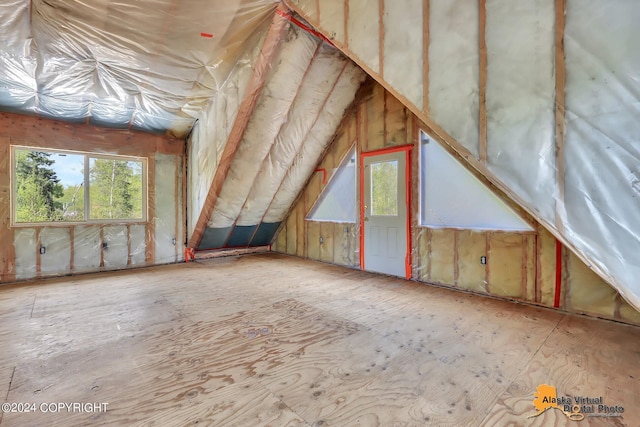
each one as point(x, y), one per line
point(69, 248)
point(150, 64)
point(408, 79)
point(301, 105)
point(602, 157)
point(211, 132)
point(337, 202)
point(452, 197)
point(317, 140)
point(521, 97)
point(454, 69)
point(267, 120)
point(323, 72)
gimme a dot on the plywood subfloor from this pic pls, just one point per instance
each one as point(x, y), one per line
point(274, 340)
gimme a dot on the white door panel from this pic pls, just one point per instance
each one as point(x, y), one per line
point(385, 213)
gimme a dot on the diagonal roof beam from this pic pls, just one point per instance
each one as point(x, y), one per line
point(275, 35)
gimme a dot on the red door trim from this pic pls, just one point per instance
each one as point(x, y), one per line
point(407, 149)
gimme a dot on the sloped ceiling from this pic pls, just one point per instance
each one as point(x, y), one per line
point(151, 65)
point(304, 98)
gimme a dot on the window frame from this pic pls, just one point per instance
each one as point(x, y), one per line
point(87, 156)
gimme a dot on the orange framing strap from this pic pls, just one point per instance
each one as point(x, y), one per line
point(408, 170)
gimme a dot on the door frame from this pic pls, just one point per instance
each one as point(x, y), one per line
point(408, 173)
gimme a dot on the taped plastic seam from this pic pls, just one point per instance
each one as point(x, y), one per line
point(74, 61)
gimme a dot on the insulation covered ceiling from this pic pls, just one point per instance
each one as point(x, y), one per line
point(151, 65)
point(304, 98)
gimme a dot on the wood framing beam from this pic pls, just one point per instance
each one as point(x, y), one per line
point(560, 112)
point(7, 249)
point(482, 36)
point(150, 228)
point(425, 55)
point(381, 35)
point(60, 135)
point(273, 40)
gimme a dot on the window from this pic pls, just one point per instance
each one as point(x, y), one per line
point(64, 186)
point(384, 188)
point(452, 197)
point(337, 202)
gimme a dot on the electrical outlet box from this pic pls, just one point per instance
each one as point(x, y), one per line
point(346, 229)
point(321, 240)
point(43, 250)
point(105, 246)
point(483, 260)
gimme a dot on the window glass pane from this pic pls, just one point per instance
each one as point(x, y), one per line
point(115, 189)
point(49, 186)
point(337, 202)
point(384, 188)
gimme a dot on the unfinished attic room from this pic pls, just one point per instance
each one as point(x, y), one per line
point(319, 213)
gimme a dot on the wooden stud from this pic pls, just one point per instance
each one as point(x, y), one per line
point(38, 256)
point(538, 275)
point(381, 38)
point(274, 37)
point(487, 275)
point(524, 267)
point(618, 307)
point(483, 82)
point(128, 245)
point(72, 248)
point(101, 246)
point(560, 69)
point(456, 258)
point(59, 135)
point(184, 200)
point(177, 208)
point(425, 55)
point(150, 229)
point(7, 248)
point(429, 251)
point(346, 23)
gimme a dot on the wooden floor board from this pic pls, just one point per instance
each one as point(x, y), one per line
point(276, 340)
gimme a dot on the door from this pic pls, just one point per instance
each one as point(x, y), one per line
point(384, 212)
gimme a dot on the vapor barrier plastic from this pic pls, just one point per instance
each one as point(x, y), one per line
point(337, 202)
point(43, 250)
point(454, 70)
point(602, 157)
point(323, 72)
point(166, 209)
point(452, 197)
point(151, 65)
point(408, 79)
point(269, 115)
point(521, 97)
point(316, 142)
point(211, 132)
